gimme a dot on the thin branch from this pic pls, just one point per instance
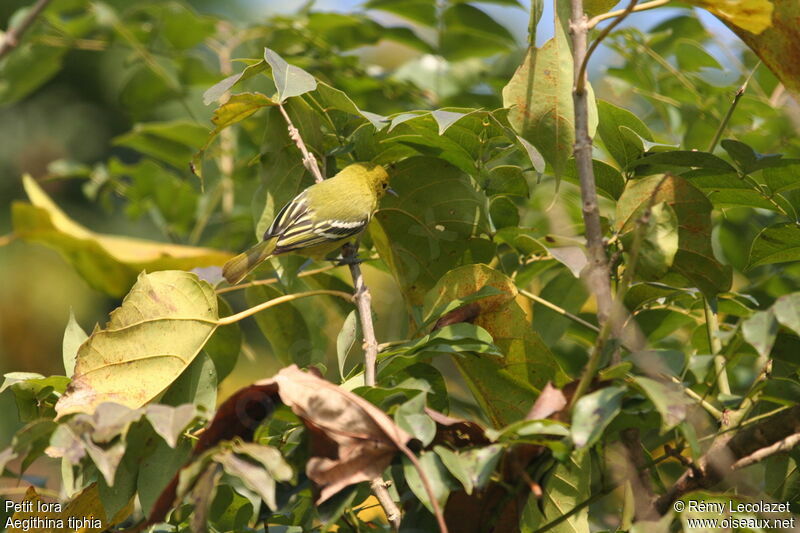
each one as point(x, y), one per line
point(13, 36)
point(380, 491)
point(280, 300)
point(559, 310)
point(580, 25)
point(309, 161)
point(643, 495)
point(437, 511)
point(598, 275)
point(729, 448)
point(736, 97)
point(715, 345)
point(710, 409)
point(270, 281)
point(363, 301)
point(784, 445)
point(611, 14)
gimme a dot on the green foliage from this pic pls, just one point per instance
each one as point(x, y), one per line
point(478, 269)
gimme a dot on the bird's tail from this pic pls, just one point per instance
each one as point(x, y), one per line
point(240, 266)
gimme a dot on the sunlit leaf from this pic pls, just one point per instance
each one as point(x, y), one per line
point(432, 226)
point(161, 326)
point(109, 263)
point(593, 413)
point(289, 79)
point(540, 97)
point(777, 243)
point(505, 386)
point(694, 259)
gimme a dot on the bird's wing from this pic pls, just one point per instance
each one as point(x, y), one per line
point(295, 227)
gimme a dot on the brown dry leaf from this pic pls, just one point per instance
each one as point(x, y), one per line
point(352, 440)
point(550, 401)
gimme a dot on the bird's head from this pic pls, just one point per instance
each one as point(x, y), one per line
point(375, 175)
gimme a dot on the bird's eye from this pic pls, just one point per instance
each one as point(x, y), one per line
point(385, 185)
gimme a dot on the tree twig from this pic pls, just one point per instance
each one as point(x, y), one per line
point(280, 300)
point(270, 281)
point(643, 494)
point(598, 278)
point(309, 161)
point(560, 310)
point(729, 448)
point(13, 36)
point(594, 21)
point(581, 25)
point(783, 445)
point(363, 301)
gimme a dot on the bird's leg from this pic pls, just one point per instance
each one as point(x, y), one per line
point(347, 258)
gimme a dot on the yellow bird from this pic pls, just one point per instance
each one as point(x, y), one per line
point(318, 220)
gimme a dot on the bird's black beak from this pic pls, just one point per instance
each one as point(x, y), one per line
point(392, 192)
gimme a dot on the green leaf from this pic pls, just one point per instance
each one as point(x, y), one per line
point(225, 344)
point(470, 32)
point(668, 399)
point(677, 159)
point(760, 330)
point(568, 486)
point(161, 326)
point(694, 259)
point(787, 311)
point(503, 212)
point(472, 468)
point(411, 417)
point(504, 386)
point(216, 91)
point(658, 242)
point(259, 477)
point(422, 11)
point(620, 146)
point(540, 97)
point(332, 98)
point(196, 385)
point(35, 395)
point(593, 412)
point(237, 108)
point(157, 469)
point(727, 188)
point(406, 36)
point(438, 477)
point(289, 79)
point(692, 56)
point(608, 179)
point(433, 225)
point(506, 179)
point(73, 338)
point(173, 142)
point(284, 327)
point(778, 243)
point(747, 159)
point(565, 292)
point(170, 422)
point(27, 69)
point(347, 339)
point(445, 119)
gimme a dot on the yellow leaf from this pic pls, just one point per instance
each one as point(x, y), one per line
point(109, 263)
point(162, 325)
point(754, 16)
